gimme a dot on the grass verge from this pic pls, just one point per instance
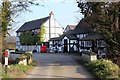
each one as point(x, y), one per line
point(17, 71)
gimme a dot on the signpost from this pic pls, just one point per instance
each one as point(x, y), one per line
point(6, 61)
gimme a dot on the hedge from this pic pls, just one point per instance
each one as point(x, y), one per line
point(104, 69)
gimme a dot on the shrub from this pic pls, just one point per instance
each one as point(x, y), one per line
point(104, 69)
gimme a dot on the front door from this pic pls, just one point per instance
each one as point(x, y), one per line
point(65, 45)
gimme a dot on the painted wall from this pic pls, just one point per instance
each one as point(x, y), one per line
point(53, 28)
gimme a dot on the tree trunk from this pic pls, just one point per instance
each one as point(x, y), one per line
point(117, 24)
point(3, 40)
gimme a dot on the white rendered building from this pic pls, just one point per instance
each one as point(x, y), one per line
point(53, 29)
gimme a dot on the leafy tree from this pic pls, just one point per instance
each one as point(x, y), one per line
point(9, 10)
point(36, 39)
point(29, 38)
point(42, 33)
point(104, 18)
point(22, 39)
point(5, 19)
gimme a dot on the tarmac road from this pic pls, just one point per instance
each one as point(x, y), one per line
point(57, 65)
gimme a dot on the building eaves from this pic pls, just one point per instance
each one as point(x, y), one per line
point(71, 37)
point(57, 38)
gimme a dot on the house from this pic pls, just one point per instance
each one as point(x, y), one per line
point(52, 26)
point(65, 43)
point(86, 39)
point(69, 27)
point(56, 43)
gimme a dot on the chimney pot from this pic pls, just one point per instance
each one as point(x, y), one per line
point(51, 13)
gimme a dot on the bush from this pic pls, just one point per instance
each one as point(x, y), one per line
point(104, 69)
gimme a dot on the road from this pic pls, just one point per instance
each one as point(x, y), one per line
point(57, 66)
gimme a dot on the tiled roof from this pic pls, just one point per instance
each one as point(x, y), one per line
point(35, 24)
point(57, 38)
point(82, 27)
point(70, 27)
point(70, 36)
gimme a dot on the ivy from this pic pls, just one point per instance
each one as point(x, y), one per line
point(42, 33)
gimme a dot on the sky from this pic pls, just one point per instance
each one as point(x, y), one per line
point(65, 11)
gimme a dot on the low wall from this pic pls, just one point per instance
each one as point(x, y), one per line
point(23, 62)
point(25, 59)
point(89, 56)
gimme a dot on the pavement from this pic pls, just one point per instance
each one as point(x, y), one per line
point(57, 65)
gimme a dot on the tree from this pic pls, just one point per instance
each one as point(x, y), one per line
point(42, 33)
point(22, 39)
point(29, 38)
point(5, 19)
point(10, 9)
point(104, 18)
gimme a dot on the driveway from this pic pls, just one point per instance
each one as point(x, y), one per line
point(57, 65)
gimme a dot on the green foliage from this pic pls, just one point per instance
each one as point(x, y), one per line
point(29, 38)
point(9, 10)
point(22, 39)
point(42, 33)
point(5, 15)
point(104, 69)
point(104, 18)
point(15, 71)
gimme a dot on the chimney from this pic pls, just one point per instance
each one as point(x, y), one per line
point(50, 19)
point(51, 13)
